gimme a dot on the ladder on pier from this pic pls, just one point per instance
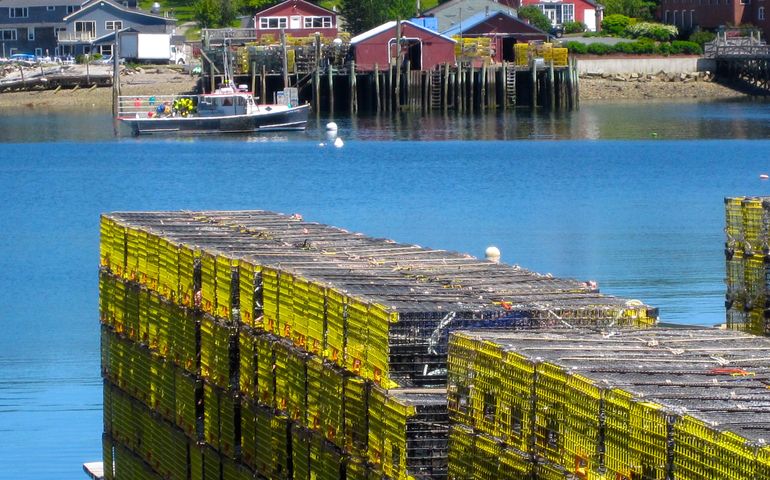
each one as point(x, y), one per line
point(435, 89)
point(510, 85)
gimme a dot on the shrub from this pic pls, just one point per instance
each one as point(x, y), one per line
point(644, 46)
point(576, 47)
point(624, 47)
point(685, 47)
point(535, 16)
point(599, 49)
point(664, 49)
point(615, 24)
point(701, 38)
point(574, 27)
point(655, 31)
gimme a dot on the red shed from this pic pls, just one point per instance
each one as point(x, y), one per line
point(297, 18)
point(503, 29)
point(423, 48)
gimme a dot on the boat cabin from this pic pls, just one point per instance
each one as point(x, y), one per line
point(225, 101)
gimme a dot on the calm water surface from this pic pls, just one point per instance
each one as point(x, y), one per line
point(639, 211)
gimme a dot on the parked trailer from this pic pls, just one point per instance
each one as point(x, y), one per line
point(150, 47)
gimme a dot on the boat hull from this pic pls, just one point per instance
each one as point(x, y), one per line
point(286, 119)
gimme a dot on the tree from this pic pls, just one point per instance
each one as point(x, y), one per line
point(536, 17)
point(642, 9)
point(362, 15)
point(228, 12)
point(249, 7)
point(206, 13)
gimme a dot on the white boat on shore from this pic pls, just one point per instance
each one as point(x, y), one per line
point(227, 110)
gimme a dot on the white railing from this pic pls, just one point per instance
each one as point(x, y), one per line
point(75, 36)
point(145, 106)
point(220, 34)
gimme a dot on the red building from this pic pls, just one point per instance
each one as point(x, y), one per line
point(560, 12)
point(712, 14)
point(297, 18)
point(422, 47)
point(503, 29)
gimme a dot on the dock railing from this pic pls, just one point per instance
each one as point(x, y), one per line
point(145, 106)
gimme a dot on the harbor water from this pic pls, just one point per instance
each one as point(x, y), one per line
point(627, 195)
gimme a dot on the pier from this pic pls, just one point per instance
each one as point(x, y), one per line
point(742, 61)
point(324, 74)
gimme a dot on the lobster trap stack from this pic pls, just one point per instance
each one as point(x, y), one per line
point(658, 404)
point(747, 252)
point(265, 346)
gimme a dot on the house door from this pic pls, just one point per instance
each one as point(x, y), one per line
point(550, 12)
point(295, 22)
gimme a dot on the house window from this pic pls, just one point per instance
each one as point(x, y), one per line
point(38, 52)
point(665, 16)
point(9, 34)
point(18, 12)
point(268, 23)
point(113, 25)
point(85, 29)
point(31, 34)
point(318, 22)
point(72, 8)
point(761, 13)
point(50, 8)
point(105, 50)
point(692, 18)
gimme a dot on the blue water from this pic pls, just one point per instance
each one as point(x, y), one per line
point(643, 218)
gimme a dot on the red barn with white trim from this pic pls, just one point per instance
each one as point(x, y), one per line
point(422, 47)
point(297, 18)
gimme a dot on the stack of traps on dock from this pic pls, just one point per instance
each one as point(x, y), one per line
point(658, 404)
point(747, 253)
point(242, 344)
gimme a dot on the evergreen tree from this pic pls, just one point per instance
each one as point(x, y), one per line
point(536, 17)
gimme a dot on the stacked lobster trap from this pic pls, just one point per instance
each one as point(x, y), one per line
point(690, 404)
point(747, 252)
point(265, 346)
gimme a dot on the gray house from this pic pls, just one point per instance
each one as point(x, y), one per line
point(92, 28)
point(30, 26)
point(454, 13)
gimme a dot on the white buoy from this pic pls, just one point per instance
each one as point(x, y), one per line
point(764, 176)
point(338, 142)
point(322, 144)
point(331, 126)
point(492, 253)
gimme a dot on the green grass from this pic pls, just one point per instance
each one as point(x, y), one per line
point(182, 10)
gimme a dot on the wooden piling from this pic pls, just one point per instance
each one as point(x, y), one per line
point(397, 90)
point(551, 87)
point(407, 84)
point(331, 90)
point(445, 98)
point(483, 85)
point(353, 89)
point(533, 72)
point(284, 60)
point(377, 86)
point(472, 91)
point(460, 89)
point(263, 81)
point(253, 72)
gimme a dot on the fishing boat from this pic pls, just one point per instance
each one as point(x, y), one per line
point(227, 110)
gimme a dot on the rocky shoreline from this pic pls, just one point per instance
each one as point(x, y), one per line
point(165, 81)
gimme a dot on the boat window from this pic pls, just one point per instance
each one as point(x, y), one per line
point(241, 101)
point(227, 101)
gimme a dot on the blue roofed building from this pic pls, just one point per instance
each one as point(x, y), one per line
point(92, 28)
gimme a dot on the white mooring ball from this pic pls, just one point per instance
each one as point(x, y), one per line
point(492, 253)
point(338, 142)
point(331, 126)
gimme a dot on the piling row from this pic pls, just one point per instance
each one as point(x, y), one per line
point(658, 404)
point(262, 345)
point(747, 253)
